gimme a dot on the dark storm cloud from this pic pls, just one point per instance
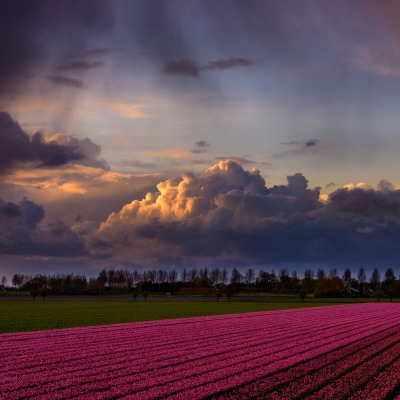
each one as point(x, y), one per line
point(66, 81)
point(186, 67)
point(378, 205)
point(25, 212)
point(289, 35)
point(310, 143)
point(298, 148)
point(97, 52)
point(33, 31)
point(201, 147)
point(228, 63)
point(306, 143)
point(80, 65)
point(22, 232)
point(227, 214)
point(203, 143)
point(18, 148)
point(182, 67)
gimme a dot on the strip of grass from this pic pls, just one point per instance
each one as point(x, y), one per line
point(23, 316)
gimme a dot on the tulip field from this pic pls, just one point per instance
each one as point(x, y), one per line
point(334, 352)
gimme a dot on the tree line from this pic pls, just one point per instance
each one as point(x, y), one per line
point(320, 283)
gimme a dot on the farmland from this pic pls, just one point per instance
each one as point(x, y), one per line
point(338, 352)
point(28, 315)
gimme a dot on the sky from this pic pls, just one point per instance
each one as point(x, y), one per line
point(168, 134)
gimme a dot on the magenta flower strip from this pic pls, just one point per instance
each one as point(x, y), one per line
point(382, 385)
point(229, 356)
point(331, 372)
point(304, 371)
point(90, 387)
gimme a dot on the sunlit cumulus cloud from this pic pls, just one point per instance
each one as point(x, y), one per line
point(228, 215)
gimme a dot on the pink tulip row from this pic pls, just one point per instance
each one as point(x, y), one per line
point(343, 387)
point(124, 349)
point(295, 378)
point(320, 377)
point(382, 385)
point(178, 355)
point(242, 373)
point(63, 381)
point(232, 356)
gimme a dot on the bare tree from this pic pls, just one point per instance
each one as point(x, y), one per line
point(284, 279)
point(218, 293)
point(34, 292)
point(249, 276)
point(375, 279)
point(102, 279)
point(361, 276)
point(17, 280)
point(193, 275)
point(308, 280)
point(333, 273)
point(152, 277)
point(129, 280)
point(389, 276)
point(294, 281)
point(347, 276)
point(184, 276)
point(204, 277)
point(172, 278)
point(215, 275)
point(224, 276)
point(43, 292)
point(161, 278)
point(137, 277)
point(321, 274)
point(111, 277)
point(236, 278)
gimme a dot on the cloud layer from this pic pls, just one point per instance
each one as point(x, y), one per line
point(22, 232)
point(229, 215)
point(186, 67)
point(225, 215)
point(19, 148)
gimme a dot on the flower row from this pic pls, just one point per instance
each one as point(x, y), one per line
point(280, 354)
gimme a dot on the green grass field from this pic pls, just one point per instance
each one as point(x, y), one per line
point(28, 315)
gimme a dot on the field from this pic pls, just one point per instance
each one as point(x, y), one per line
point(337, 352)
point(28, 315)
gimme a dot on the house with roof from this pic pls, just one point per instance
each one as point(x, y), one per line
point(350, 292)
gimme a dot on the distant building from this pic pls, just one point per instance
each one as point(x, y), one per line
point(350, 292)
point(369, 293)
